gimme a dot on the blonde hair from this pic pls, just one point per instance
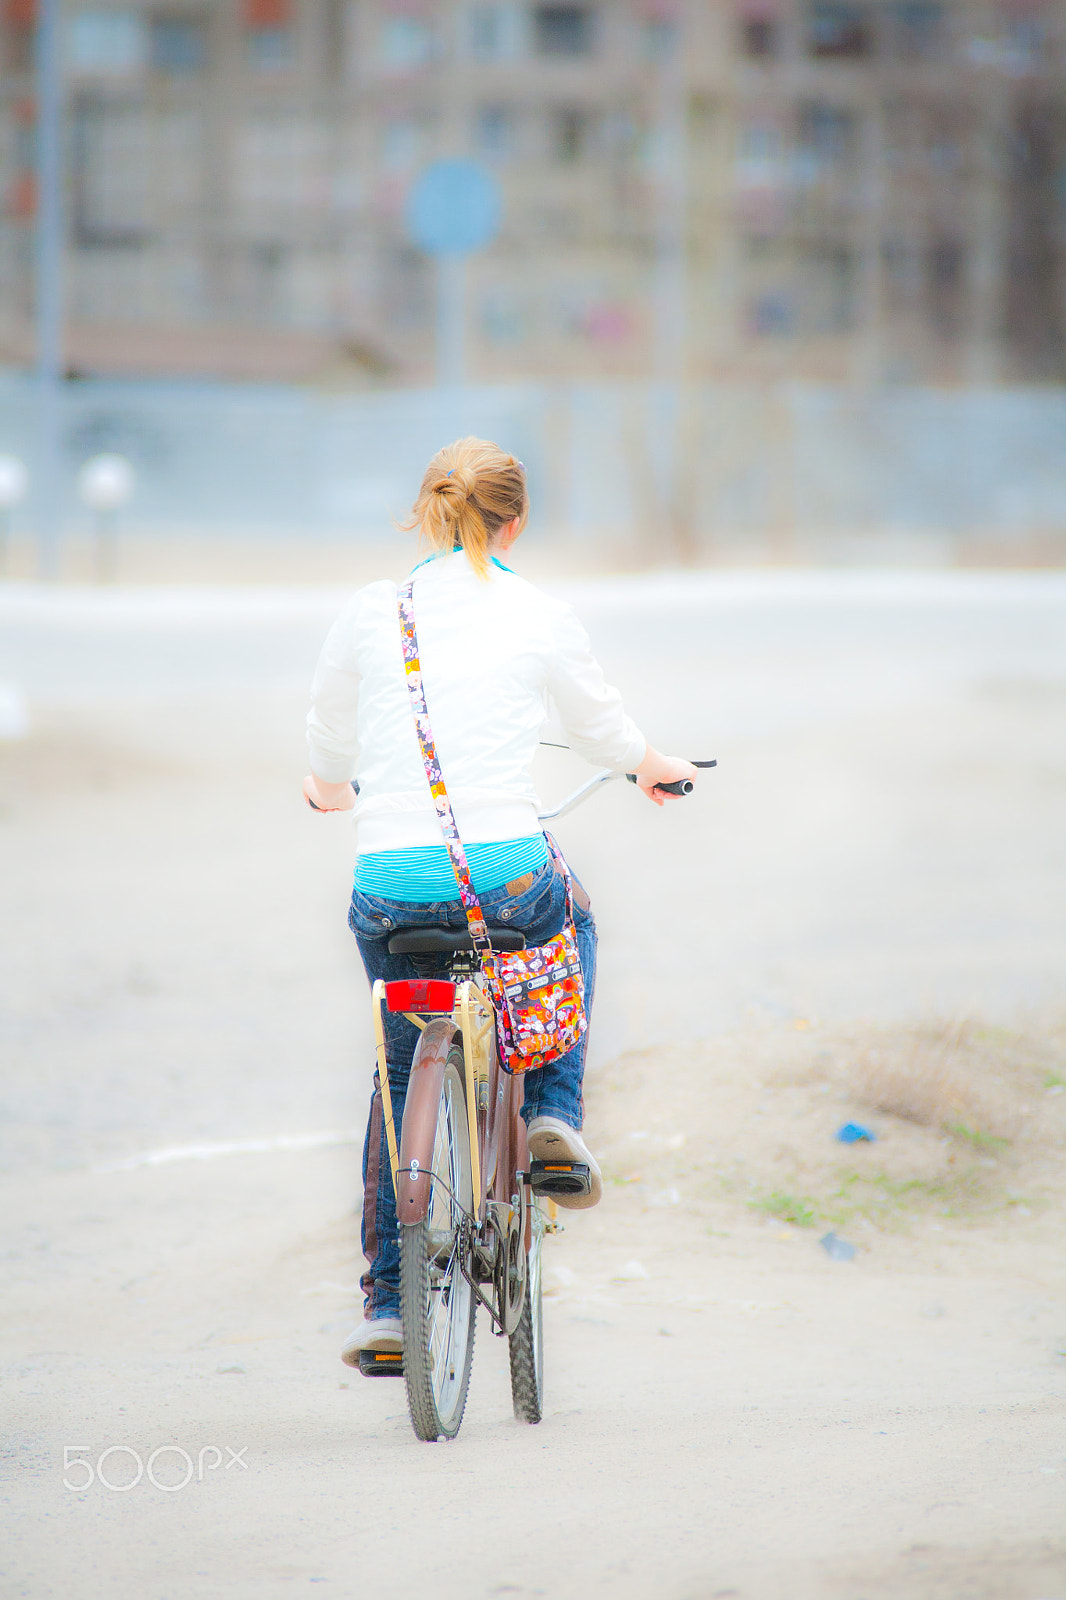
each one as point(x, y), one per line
point(470, 489)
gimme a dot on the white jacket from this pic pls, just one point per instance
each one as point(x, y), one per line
point(493, 654)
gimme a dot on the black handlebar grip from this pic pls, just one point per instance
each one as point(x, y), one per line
point(682, 786)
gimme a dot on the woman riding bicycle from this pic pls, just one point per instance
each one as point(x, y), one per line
point(494, 652)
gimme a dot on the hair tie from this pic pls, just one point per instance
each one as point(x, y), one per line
point(448, 474)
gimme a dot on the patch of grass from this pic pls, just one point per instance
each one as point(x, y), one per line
point(988, 1143)
point(1054, 1080)
point(796, 1208)
point(891, 1202)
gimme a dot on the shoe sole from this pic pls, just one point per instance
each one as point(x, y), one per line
point(548, 1146)
point(384, 1344)
point(351, 1357)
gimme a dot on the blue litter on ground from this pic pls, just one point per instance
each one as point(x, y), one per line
point(837, 1249)
point(852, 1132)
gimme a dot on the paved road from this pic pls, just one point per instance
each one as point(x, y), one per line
point(882, 840)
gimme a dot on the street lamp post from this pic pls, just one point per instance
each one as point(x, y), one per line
point(105, 484)
point(672, 398)
point(49, 282)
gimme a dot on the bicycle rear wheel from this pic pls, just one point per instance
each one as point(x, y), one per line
point(437, 1305)
point(527, 1341)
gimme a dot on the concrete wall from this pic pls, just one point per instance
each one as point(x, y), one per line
point(721, 467)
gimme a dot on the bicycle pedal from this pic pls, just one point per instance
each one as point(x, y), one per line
point(559, 1177)
point(381, 1363)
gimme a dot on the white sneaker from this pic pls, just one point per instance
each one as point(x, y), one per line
point(549, 1139)
point(374, 1333)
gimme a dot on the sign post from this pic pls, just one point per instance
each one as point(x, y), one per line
point(453, 209)
point(49, 309)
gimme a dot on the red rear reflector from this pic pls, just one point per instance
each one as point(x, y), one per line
point(420, 994)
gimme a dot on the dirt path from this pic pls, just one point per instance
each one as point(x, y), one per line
point(730, 1412)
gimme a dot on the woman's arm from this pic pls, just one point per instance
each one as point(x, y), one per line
point(590, 709)
point(331, 722)
point(595, 720)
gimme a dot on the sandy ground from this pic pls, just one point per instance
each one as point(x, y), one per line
point(862, 914)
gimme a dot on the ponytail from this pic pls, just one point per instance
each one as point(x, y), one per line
point(470, 489)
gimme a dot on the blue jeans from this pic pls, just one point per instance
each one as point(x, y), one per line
point(555, 1090)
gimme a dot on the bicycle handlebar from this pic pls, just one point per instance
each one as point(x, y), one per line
point(682, 787)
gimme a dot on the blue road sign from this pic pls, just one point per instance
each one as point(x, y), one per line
point(454, 208)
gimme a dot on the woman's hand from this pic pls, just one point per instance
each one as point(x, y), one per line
point(328, 796)
point(656, 768)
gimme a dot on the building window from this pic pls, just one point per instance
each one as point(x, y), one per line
point(946, 279)
point(504, 318)
point(495, 32)
point(107, 42)
point(495, 132)
point(771, 315)
point(659, 38)
point(270, 49)
point(838, 30)
point(563, 30)
point(761, 159)
point(917, 29)
point(828, 289)
point(760, 38)
point(178, 45)
point(406, 43)
point(111, 180)
point(401, 144)
point(569, 134)
point(269, 43)
point(828, 139)
point(20, 17)
point(22, 154)
point(486, 33)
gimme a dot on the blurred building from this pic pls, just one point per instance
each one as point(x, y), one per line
point(868, 190)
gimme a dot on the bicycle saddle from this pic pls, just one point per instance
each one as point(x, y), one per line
point(446, 941)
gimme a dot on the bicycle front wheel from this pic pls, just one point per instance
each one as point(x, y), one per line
point(437, 1305)
point(527, 1341)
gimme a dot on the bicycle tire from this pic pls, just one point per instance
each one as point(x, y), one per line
point(437, 1354)
point(527, 1342)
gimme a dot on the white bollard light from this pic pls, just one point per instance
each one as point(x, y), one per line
point(105, 484)
point(14, 713)
point(14, 481)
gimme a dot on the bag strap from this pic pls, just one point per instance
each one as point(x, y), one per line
point(445, 815)
point(560, 862)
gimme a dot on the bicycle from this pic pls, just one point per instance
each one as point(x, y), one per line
point(473, 1208)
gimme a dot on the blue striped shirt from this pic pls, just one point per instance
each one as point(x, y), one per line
point(425, 875)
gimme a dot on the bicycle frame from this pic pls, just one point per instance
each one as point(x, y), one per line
point(490, 1095)
point(499, 1154)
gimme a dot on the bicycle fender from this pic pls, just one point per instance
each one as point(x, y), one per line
point(419, 1126)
